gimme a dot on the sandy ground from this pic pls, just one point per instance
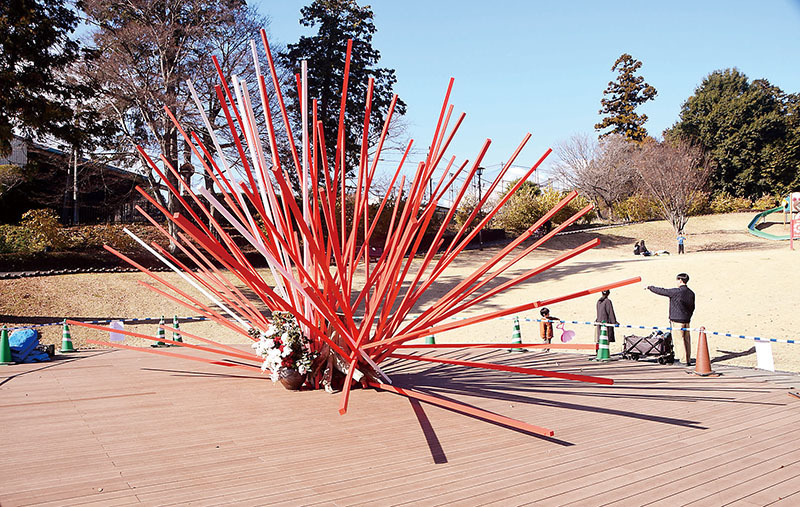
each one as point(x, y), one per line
point(744, 285)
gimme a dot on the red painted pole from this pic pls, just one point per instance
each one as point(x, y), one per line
point(565, 346)
point(512, 369)
point(466, 409)
point(500, 313)
point(237, 354)
point(206, 340)
point(461, 287)
point(177, 356)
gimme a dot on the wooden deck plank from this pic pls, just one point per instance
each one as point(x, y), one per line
point(746, 465)
point(772, 475)
point(790, 499)
point(685, 475)
point(99, 499)
point(508, 483)
point(486, 471)
point(538, 466)
point(44, 492)
point(159, 431)
point(583, 470)
point(776, 493)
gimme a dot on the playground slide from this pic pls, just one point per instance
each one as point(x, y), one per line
point(751, 228)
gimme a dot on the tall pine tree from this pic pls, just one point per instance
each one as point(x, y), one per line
point(36, 96)
point(621, 99)
point(337, 21)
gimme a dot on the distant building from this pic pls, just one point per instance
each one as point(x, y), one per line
point(19, 153)
point(105, 194)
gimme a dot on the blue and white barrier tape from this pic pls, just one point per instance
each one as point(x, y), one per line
point(667, 328)
point(107, 321)
point(509, 317)
point(627, 326)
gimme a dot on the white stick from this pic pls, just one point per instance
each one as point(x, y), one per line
point(273, 148)
point(253, 238)
point(306, 176)
point(226, 168)
point(189, 280)
point(252, 138)
point(257, 154)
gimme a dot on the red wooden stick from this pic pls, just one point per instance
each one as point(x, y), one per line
point(500, 313)
point(237, 354)
point(466, 409)
point(519, 279)
point(513, 369)
point(206, 340)
point(566, 346)
point(173, 354)
point(459, 290)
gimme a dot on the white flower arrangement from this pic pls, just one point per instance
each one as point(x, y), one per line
point(283, 346)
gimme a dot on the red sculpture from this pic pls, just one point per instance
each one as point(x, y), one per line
point(314, 253)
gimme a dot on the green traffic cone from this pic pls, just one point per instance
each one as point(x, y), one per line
point(5, 347)
point(160, 335)
point(430, 340)
point(176, 336)
point(602, 350)
point(66, 340)
point(516, 338)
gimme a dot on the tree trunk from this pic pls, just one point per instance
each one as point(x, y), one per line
point(171, 154)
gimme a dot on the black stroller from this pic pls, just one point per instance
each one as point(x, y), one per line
point(658, 344)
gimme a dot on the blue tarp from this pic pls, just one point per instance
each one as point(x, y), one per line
point(23, 344)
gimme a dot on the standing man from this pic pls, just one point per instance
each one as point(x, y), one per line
point(681, 308)
point(681, 239)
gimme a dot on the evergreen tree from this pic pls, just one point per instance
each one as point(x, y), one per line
point(337, 21)
point(750, 129)
point(622, 98)
point(36, 96)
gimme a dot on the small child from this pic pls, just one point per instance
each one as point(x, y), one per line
point(546, 326)
point(681, 239)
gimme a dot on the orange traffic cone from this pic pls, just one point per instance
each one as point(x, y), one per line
point(703, 363)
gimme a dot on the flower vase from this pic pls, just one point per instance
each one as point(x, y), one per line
point(291, 379)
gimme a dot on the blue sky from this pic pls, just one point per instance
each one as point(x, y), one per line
point(541, 67)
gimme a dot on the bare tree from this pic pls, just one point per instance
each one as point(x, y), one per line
point(673, 174)
point(143, 51)
point(148, 50)
point(601, 171)
point(10, 176)
point(229, 42)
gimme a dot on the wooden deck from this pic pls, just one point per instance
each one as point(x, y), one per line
point(119, 427)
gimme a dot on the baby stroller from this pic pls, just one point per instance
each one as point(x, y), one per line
point(658, 344)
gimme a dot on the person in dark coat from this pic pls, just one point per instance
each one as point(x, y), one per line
point(681, 309)
point(643, 249)
point(605, 313)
